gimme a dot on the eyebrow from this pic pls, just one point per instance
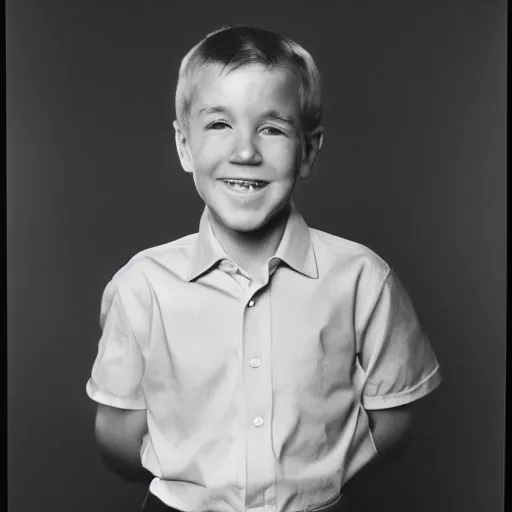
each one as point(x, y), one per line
point(269, 114)
point(273, 114)
point(213, 110)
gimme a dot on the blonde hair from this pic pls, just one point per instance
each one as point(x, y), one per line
point(238, 46)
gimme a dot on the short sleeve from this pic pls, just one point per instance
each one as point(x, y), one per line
point(118, 370)
point(395, 354)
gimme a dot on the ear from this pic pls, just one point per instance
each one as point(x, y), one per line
point(311, 146)
point(182, 148)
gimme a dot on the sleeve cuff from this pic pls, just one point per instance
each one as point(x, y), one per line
point(423, 388)
point(105, 398)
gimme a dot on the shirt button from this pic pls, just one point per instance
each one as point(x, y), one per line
point(255, 363)
point(251, 303)
point(258, 422)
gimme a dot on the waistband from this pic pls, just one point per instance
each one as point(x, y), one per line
point(153, 504)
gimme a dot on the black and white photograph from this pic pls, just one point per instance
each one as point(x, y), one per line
point(256, 255)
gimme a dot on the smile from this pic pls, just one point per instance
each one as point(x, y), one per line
point(249, 185)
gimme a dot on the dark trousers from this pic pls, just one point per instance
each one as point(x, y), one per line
point(153, 504)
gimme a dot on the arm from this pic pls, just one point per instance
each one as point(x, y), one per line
point(400, 371)
point(119, 434)
point(392, 431)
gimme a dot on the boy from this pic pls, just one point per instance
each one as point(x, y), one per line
point(258, 364)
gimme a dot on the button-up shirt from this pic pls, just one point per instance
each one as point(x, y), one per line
point(256, 392)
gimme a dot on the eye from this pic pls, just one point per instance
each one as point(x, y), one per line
point(217, 125)
point(272, 130)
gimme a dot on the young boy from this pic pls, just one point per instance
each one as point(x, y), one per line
point(259, 364)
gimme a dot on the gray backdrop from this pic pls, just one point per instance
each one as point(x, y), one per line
point(413, 166)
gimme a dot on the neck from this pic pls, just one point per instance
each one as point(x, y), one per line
point(252, 249)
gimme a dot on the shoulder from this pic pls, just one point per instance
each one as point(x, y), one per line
point(348, 256)
point(137, 274)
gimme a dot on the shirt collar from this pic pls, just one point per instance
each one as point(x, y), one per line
point(206, 250)
point(295, 248)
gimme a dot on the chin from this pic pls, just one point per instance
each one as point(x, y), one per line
point(245, 223)
point(249, 226)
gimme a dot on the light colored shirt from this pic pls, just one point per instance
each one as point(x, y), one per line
point(256, 392)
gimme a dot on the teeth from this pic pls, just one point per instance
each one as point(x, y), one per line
point(251, 185)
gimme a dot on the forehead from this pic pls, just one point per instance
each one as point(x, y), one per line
point(252, 86)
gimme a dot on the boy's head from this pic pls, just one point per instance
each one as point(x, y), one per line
point(235, 47)
point(249, 112)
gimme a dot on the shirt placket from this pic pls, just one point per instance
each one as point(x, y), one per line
point(257, 372)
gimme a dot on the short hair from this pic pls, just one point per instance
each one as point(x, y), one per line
point(237, 46)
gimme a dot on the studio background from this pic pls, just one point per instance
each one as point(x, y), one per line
point(413, 166)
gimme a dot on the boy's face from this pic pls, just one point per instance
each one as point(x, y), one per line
point(243, 144)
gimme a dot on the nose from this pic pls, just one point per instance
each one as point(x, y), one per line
point(246, 151)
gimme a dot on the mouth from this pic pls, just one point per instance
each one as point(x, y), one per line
point(245, 185)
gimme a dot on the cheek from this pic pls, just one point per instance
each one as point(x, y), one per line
point(209, 152)
point(283, 155)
